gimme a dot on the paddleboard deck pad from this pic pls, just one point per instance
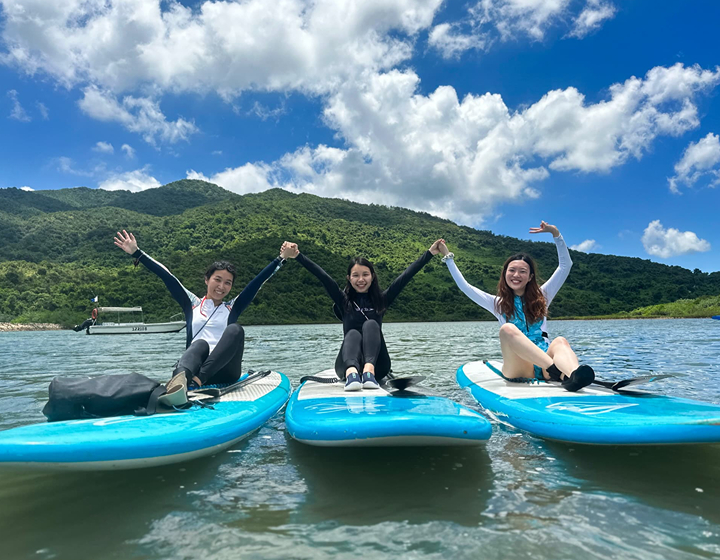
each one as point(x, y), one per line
point(129, 442)
point(594, 415)
point(324, 414)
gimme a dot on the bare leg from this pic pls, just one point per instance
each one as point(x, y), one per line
point(562, 356)
point(350, 370)
point(520, 354)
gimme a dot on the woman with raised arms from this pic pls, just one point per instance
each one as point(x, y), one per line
point(215, 341)
point(363, 359)
point(521, 308)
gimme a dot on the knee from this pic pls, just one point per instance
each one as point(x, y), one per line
point(508, 331)
point(353, 336)
point(371, 325)
point(235, 330)
point(560, 341)
point(199, 347)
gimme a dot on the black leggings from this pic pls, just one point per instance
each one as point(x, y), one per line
point(222, 365)
point(366, 347)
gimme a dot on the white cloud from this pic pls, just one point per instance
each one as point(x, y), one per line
point(488, 21)
point(460, 158)
point(133, 181)
point(217, 152)
point(241, 180)
point(104, 148)
point(43, 110)
point(265, 113)
point(666, 243)
point(18, 112)
point(67, 165)
point(28, 189)
point(129, 151)
point(586, 246)
point(593, 15)
point(141, 115)
point(452, 42)
point(226, 47)
point(699, 160)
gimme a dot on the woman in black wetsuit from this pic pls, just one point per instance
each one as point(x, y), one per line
point(361, 306)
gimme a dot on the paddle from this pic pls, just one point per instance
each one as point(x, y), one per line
point(214, 392)
point(402, 383)
point(613, 385)
point(618, 385)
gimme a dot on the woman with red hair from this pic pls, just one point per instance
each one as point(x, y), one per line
point(521, 308)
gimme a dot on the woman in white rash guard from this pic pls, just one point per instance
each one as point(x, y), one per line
point(214, 341)
point(520, 306)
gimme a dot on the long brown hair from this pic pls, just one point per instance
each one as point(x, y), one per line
point(534, 302)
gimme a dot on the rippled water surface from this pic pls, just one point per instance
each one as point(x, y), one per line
point(270, 497)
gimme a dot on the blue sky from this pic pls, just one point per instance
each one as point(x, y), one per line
point(599, 116)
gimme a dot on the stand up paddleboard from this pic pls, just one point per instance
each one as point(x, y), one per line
point(593, 415)
point(324, 414)
point(131, 442)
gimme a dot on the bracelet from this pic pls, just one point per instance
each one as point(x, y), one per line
point(448, 256)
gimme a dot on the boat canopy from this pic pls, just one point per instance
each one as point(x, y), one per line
point(119, 309)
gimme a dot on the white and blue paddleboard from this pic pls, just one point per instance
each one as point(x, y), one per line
point(594, 415)
point(130, 442)
point(324, 414)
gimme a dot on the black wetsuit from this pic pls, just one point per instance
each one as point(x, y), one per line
point(363, 341)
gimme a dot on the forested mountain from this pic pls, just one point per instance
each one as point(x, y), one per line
point(56, 252)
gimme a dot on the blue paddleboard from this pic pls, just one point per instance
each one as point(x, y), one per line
point(716, 317)
point(593, 415)
point(326, 415)
point(129, 442)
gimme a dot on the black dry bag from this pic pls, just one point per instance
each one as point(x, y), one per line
point(106, 395)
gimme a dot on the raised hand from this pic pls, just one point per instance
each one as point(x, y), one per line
point(289, 250)
point(442, 247)
point(435, 247)
point(126, 241)
point(545, 227)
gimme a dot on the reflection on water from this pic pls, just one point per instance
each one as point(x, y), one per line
point(271, 497)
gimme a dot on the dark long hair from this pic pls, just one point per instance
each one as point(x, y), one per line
point(534, 302)
point(220, 265)
point(373, 291)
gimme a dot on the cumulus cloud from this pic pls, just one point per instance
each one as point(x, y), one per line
point(586, 246)
point(459, 158)
point(28, 189)
point(248, 178)
point(129, 151)
point(17, 113)
point(591, 18)
point(141, 115)
point(133, 181)
point(670, 242)
point(700, 160)
point(226, 47)
point(104, 148)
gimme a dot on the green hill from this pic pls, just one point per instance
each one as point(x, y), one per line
point(56, 253)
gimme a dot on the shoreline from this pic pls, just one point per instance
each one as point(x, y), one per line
point(16, 327)
point(20, 327)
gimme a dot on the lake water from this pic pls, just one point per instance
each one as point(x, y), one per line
point(271, 497)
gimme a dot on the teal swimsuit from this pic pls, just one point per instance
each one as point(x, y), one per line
point(533, 331)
